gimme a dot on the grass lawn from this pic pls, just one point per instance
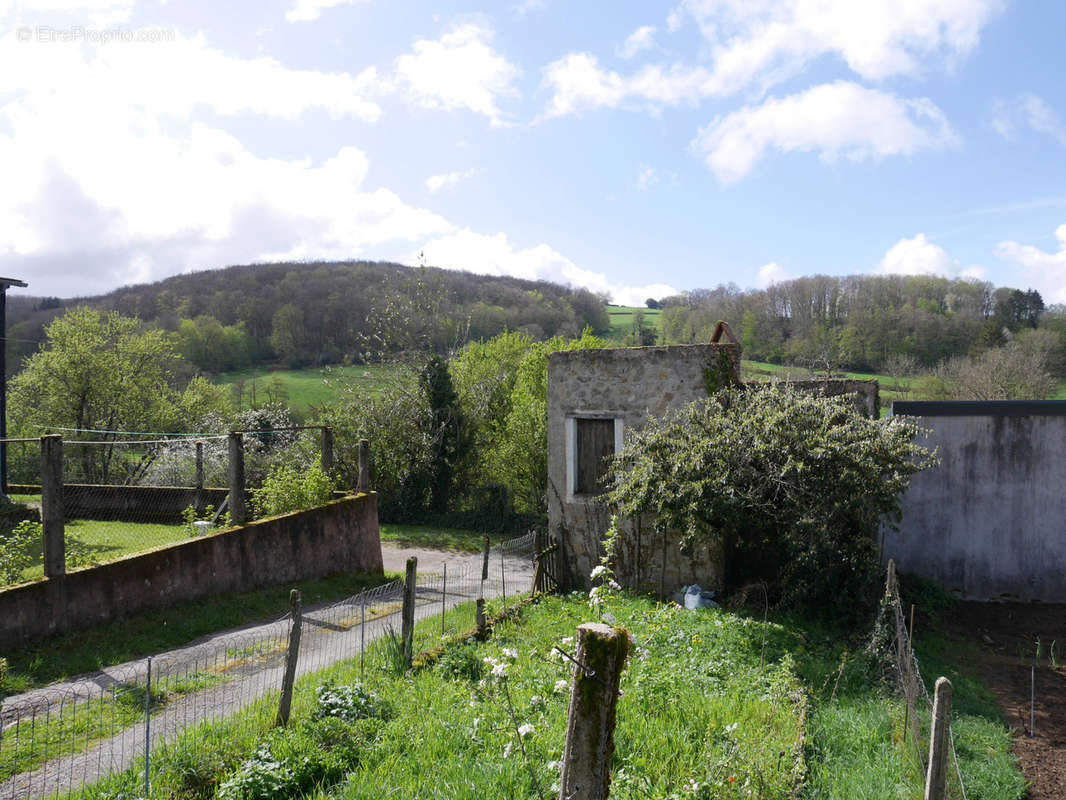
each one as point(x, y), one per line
point(304, 388)
point(714, 705)
point(432, 536)
point(622, 319)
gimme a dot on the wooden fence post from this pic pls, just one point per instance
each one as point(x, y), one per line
point(408, 615)
point(479, 613)
point(939, 742)
point(586, 764)
point(53, 512)
point(485, 558)
point(364, 466)
point(327, 450)
point(293, 653)
point(238, 509)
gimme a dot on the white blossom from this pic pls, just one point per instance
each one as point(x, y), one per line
point(525, 729)
point(597, 571)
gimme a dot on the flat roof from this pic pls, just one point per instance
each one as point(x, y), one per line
point(979, 408)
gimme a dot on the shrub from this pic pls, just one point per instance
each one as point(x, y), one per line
point(262, 777)
point(349, 703)
point(793, 487)
point(288, 488)
point(19, 550)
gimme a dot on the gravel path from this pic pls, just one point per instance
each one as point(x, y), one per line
point(249, 660)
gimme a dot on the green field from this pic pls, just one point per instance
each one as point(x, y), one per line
point(303, 389)
point(622, 319)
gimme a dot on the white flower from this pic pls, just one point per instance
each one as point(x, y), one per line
point(536, 700)
point(609, 618)
point(597, 571)
point(614, 585)
point(555, 766)
point(507, 750)
point(510, 653)
point(561, 685)
point(499, 671)
point(525, 729)
point(567, 640)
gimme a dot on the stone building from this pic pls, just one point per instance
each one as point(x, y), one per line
point(594, 396)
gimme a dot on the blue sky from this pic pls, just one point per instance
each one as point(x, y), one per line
point(637, 149)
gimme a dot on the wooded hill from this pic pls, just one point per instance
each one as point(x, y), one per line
point(863, 322)
point(305, 314)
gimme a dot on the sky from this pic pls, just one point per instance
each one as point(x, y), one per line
point(634, 148)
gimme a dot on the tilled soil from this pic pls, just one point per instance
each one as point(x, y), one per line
point(1006, 637)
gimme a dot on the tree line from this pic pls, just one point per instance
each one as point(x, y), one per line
point(863, 322)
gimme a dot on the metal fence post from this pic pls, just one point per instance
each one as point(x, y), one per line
point(148, 729)
point(53, 512)
point(285, 703)
point(362, 637)
point(443, 598)
point(238, 510)
point(936, 776)
point(408, 615)
point(503, 579)
point(586, 763)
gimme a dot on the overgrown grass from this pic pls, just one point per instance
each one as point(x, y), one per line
point(433, 536)
point(62, 657)
point(714, 705)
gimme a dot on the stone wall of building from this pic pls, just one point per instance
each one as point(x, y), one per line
point(628, 385)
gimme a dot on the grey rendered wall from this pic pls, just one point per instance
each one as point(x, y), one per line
point(990, 522)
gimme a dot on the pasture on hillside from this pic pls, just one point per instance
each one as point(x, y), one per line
point(302, 389)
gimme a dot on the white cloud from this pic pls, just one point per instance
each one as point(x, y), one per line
point(754, 40)
point(1031, 111)
point(647, 177)
point(310, 10)
point(495, 255)
point(171, 78)
point(458, 71)
point(919, 256)
point(526, 6)
point(437, 182)
point(86, 12)
point(772, 273)
point(1046, 271)
point(760, 43)
point(643, 38)
point(835, 120)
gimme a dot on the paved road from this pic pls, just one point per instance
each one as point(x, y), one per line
point(251, 660)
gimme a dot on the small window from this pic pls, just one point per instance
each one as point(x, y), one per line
point(594, 440)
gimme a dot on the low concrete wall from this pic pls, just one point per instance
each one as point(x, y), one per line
point(339, 537)
point(990, 522)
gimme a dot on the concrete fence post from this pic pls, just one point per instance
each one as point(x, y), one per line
point(327, 450)
point(53, 512)
point(364, 466)
point(199, 478)
point(586, 765)
point(939, 742)
point(890, 580)
point(291, 656)
point(407, 619)
point(238, 509)
point(479, 613)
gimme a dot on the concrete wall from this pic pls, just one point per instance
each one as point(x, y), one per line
point(339, 537)
point(990, 522)
point(628, 385)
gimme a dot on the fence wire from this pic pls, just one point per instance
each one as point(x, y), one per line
point(60, 739)
point(912, 687)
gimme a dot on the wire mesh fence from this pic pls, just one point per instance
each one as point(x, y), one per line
point(918, 713)
point(57, 740)
point(124, 494)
